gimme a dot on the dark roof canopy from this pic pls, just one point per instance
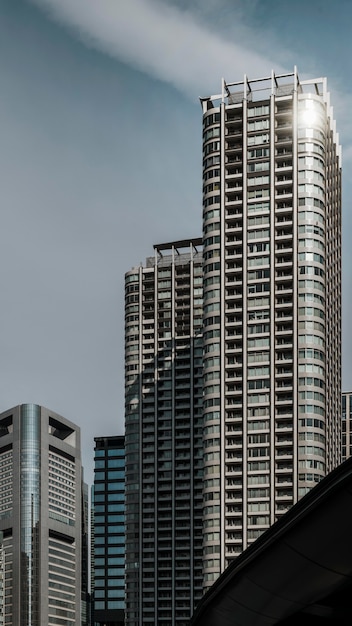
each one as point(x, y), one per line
point(299, 571)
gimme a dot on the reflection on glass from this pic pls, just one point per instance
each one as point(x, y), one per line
point(30, 506)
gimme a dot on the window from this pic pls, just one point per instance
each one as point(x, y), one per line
point(258, 343)
point(209, 134)
point(116, 550)
point(258, 180)
point(259, 166)
point(258, 328)
point(213, 146)
point(116, 463)
point(259, 314)
point(116, 571)
point(262, 520)
point(258, 398)
point(116, 561)
point(118, 505)
point(214, 118)
point(259, 110)
point(258, 247)
point(258, 219)
point(258, 193)
point(117, 604)
point(255, 140)
point(258, 287)
point(258, 207)
point(258, 274)
point(260, 371)
point(99, 605)
point(116, 475)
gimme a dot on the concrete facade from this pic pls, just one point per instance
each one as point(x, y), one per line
point(163, 382)
point(272, 305)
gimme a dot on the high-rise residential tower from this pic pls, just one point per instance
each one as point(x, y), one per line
point(40, 517)
point(163, 364)
point(108, 531)
point(272, 305)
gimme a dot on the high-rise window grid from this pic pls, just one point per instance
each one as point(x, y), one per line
point(108, 570)
point(6, 483)
point(61, 596)
point(272, 236)
point(40, 458)
point(163, 435)
point(62, 480)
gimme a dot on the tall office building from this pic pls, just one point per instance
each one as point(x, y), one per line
point(2, 582)
point(346, 425)
point(85, 597)
point(40, 517)
point(272, 305)
point(108, 532)
point(163, 364)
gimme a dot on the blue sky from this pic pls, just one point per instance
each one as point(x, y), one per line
point(100, 158)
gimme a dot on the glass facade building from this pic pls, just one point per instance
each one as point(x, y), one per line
point(163, 384)
point(85, 597)
point(108, 532)
point(40, 517)
point(272, 305)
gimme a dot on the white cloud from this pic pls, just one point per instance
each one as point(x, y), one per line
point(160, 39)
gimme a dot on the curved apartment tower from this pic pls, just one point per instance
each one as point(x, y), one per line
point(272, 305)
point(163, 383)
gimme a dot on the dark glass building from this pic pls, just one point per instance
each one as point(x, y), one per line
point(108, 532)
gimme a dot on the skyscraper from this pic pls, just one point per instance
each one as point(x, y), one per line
point(40, 517)
point(163, 364)
point(272, 305)
point(2, 582)
point(108, 529)
point(346, 425)
point(85, 597)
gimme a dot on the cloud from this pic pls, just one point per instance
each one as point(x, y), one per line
point(168, 43)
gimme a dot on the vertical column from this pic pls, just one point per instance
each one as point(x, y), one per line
point(222, 341)
point(30, 514)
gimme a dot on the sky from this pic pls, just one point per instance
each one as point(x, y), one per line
point(100, 158)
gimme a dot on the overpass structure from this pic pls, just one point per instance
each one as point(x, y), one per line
point(298, 571)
